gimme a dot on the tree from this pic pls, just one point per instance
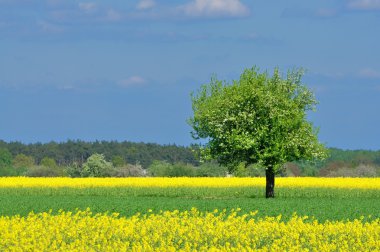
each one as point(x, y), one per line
point(96, 166)
point(5, 158)
point(23, 161)
point(48, 162)
point(210, 169)
point(258, 119)
point(159, 168)
point(6, 168)
point(118, 161)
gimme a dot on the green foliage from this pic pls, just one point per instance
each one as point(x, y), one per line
point(74, 170)
point(361, 170)
point(23, 161)
point(45, 171)
point(259, 119)
point(211, 169)
point(253, 170)
point(324, 204)
point(96, 166)
point(128, 170)
point(291, 170)
point(47, 168)
point(5, 158)
point(48, 162)
point(72, 154)
point(66, 153)
point(241, 170)
point(118, 161)
point(8, 172)
point(159, 168)
point(6, 168)
point(181, 170)
point(165, 169)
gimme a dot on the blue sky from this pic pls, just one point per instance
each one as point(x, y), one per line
point(124, 70)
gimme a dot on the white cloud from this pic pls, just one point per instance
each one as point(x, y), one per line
point(214, 8)
point(369, 73)
point(87, 7)
point(145, 4)
point(132, 81)
point(364, 4)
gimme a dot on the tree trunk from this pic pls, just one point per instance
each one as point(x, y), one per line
point(269, 173)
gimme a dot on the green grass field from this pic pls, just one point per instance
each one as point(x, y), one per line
point(323, 204)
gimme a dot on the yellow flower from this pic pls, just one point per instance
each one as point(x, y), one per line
point(183, 231)
point(304, 182)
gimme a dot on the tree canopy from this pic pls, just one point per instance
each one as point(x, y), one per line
point(258, 119)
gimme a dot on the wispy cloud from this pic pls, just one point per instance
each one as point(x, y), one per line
point(364, 4)
point(132, 81)
point(145, 4)
point(214, 8)
point(369, 73)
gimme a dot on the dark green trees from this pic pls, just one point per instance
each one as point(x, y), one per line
point(5, 162)
point(259, 119)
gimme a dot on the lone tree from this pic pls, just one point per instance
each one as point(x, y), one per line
point(259, 119)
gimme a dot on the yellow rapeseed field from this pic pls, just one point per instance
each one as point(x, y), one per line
point(305, 182)
point(183, 231)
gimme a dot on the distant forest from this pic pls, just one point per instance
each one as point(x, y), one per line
point(150, 156)
point(66, 153)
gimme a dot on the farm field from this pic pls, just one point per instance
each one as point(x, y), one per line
point(331, 204)
point(325, 199)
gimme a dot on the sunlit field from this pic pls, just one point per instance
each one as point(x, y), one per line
point(171, 214)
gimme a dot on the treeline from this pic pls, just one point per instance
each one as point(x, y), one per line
point(66, 153)
point(125, 159)
point(341, 163)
